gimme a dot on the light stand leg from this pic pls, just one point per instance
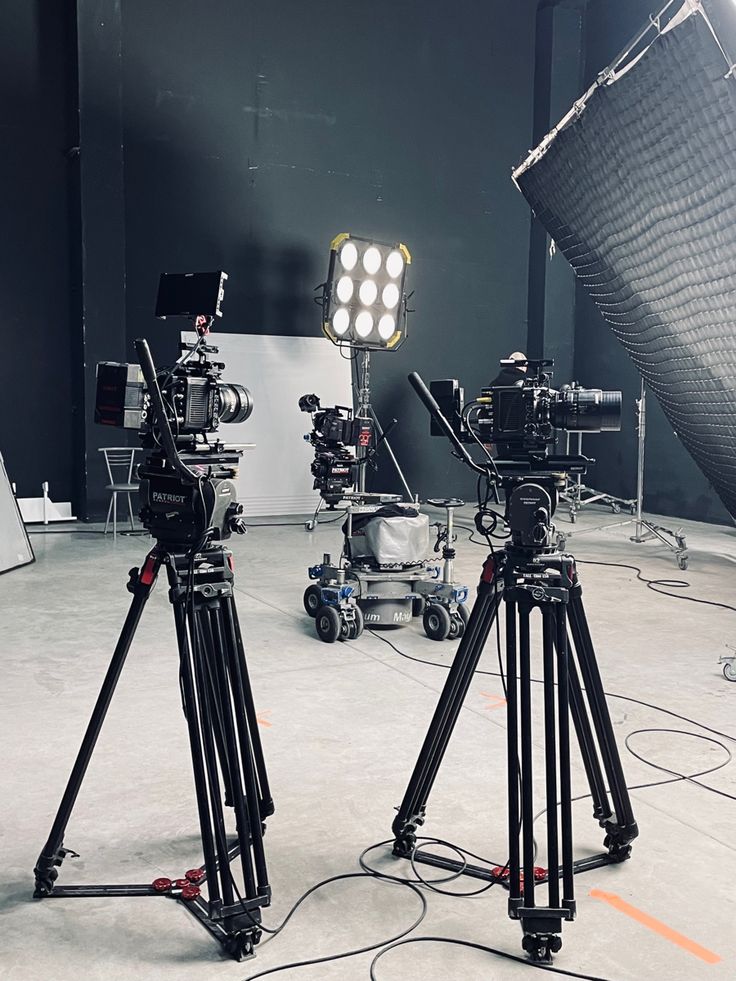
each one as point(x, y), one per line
point(390, 452)
point(53, 853)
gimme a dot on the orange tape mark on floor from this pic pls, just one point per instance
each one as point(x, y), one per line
point(495, 701)
point(656, 926)
point(262, 720)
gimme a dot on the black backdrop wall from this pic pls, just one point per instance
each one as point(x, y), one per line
point(256, 131)
point(143, 137)
point(38, 354)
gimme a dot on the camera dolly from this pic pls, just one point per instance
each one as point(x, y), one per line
point(346, 596)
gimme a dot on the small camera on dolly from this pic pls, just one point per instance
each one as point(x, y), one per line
point(382, 577)
point(334, 431)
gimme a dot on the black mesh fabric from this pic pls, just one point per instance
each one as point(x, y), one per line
point(639, 194)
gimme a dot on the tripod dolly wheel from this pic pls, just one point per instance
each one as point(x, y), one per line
point(437, 622)
point(328, 624)
point(682, 561)
point(464, 612)
point(729, 670)
point(355, 627)
point(312, 599)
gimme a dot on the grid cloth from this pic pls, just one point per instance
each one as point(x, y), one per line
point(638, 192)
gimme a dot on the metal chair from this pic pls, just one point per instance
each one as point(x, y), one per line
point(119, 461)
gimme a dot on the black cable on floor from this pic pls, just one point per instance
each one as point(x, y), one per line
point(538, 681)
point(432, 884)
point(358, 950)
point(488, 950)
point(675, 773)
point(654, 583)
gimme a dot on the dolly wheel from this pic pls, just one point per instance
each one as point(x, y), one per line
point(464, 612)
point(437, 622)
point(729, 670)
point(328, 624)
point(356, 625)
point(312, 600)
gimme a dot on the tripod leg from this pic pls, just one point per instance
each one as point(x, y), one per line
point(512, 747)
point(412, 809)
point(527, 772)
point(550, 752)
point(243, 686)
point(621, 827)
point(249, 742)
point(563, 705)
point(53, 853)
point(195, 728)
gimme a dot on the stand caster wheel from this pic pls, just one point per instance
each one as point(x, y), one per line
point(615, 508)
point(682, 561)
point(309, 525)
point(436, 621)
point(328, 624)
point(457, 627)
point(356, 626)
point(632, 509)
point(312, 600)
point(573, 517)
point(417, 606)
point(729, 671)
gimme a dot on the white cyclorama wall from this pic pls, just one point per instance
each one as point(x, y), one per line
point(274, 476)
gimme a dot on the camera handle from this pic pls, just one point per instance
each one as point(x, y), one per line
point(159, 412)
point(417, 383)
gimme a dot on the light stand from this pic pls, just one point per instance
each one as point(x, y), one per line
point(366, 411)
point(644, 530)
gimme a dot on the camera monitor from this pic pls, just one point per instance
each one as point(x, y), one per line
point(190, 294)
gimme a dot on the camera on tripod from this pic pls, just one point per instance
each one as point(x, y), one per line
point(187, 481)
point(195, 399)
point(334, 430)
point(522, 420)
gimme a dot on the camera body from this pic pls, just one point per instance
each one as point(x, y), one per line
point(334, 431)
point(522, 420)
point(196, 400)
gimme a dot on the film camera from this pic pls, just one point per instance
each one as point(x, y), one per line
point(334, 430)
point(522, 420)
point(187, 481)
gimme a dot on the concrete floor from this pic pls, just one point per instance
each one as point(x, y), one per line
point(341, 727)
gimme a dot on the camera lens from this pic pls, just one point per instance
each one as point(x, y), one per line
point(587, 410)
point(236, 402)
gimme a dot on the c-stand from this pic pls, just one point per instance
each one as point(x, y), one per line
point(527, 574)
point(190, 506)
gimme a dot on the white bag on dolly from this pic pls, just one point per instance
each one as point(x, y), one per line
point(398, 540)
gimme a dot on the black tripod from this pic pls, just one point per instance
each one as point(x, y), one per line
point(190, 505)
point(225, 746)
point(528, 574)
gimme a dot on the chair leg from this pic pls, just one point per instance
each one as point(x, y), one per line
point(114, 515)
point(109, 510)
point(130, 512)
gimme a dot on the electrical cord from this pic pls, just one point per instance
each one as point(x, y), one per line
point(538, 681)
point(354, 952)
point(482, 947)
point(654, 583)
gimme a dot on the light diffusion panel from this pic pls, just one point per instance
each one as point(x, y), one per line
point(639, 193)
